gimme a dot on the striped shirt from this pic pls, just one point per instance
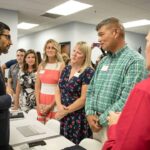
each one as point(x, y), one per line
point(115, 76)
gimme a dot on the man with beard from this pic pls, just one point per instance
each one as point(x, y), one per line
point(5, 99)
point(115, 76)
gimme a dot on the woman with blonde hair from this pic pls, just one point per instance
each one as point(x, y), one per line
point(47, 79)
point(71, 94)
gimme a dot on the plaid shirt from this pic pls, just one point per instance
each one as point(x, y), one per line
point(115, 76)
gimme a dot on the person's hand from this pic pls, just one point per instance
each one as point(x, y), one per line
point(47, 109)
point(94, 123)
point(61, 114)
point(113, 118)
point(13, 98)
point(60, 107)
point(9, 91)
point(15, 108)
point(40, 108)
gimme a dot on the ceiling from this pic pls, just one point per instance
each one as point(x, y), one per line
point(126, 10)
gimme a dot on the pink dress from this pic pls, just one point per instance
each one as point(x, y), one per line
point(49, 77)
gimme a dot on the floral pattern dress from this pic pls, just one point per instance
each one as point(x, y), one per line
point(27, 99)
point(74, 126)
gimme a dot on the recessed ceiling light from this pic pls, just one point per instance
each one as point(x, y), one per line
point(137, 23)
point(26, 26)
point(68, 8)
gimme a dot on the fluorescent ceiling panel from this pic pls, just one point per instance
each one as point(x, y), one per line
point(68, 8)
point(137, 23)
point(26, 26)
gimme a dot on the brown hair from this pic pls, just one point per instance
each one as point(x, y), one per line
point(25, 65)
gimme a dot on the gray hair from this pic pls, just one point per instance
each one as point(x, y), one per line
point(112, 23)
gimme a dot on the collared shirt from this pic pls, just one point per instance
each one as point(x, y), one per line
point(115, 76)
point(13, 73)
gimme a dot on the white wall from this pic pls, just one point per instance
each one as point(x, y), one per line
point(73, 32)
point(135, 41)
point(68, 32)
point(37, 40)
point(11, 19)
point(84, 32)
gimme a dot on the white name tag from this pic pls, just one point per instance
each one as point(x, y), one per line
point(42, 71)
point(104, 68)
point(77, 74)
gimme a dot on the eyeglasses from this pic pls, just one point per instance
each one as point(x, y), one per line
point(7, 36)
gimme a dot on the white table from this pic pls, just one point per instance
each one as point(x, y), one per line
point(57, 143)
point(16, 137)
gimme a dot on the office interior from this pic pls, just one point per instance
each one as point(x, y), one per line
point(71, 28)
point(74, 27)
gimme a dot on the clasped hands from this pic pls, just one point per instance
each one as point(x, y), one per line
point(44, 109)
point(62, 112)
point(93, 121)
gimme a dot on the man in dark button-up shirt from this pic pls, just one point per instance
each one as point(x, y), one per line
point(5, 99)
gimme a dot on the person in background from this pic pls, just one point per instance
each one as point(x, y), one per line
point(5, 99)
point(47, 79)
point(26, 83)
point(71, 94)
point(39, 58)
point(132, 130)
point(65, 58)
point(13, 71)
point(115, 76)
point(7, 65)
point(99, 59)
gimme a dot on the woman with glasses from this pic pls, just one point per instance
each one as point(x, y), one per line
point(47, 79)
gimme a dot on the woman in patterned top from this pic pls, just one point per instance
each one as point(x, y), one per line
point(47, 79)
point(71, 94)
point(25, 95)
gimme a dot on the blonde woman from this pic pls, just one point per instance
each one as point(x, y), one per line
point(26, 82)
point(71, 94)
point(47, 79)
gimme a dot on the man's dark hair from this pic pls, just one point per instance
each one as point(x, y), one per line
point(3, 27)
point(21, 50)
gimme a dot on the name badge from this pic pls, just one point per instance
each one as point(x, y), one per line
point(42, 71)
point(105, 68)
point(77, 74)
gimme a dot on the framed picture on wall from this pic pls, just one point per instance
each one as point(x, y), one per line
point(95, 44)
point(65, 47)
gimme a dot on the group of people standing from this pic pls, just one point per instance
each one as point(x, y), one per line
point(55, 90)
point(83, 99)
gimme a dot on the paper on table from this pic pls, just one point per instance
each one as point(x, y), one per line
point(30, 130)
